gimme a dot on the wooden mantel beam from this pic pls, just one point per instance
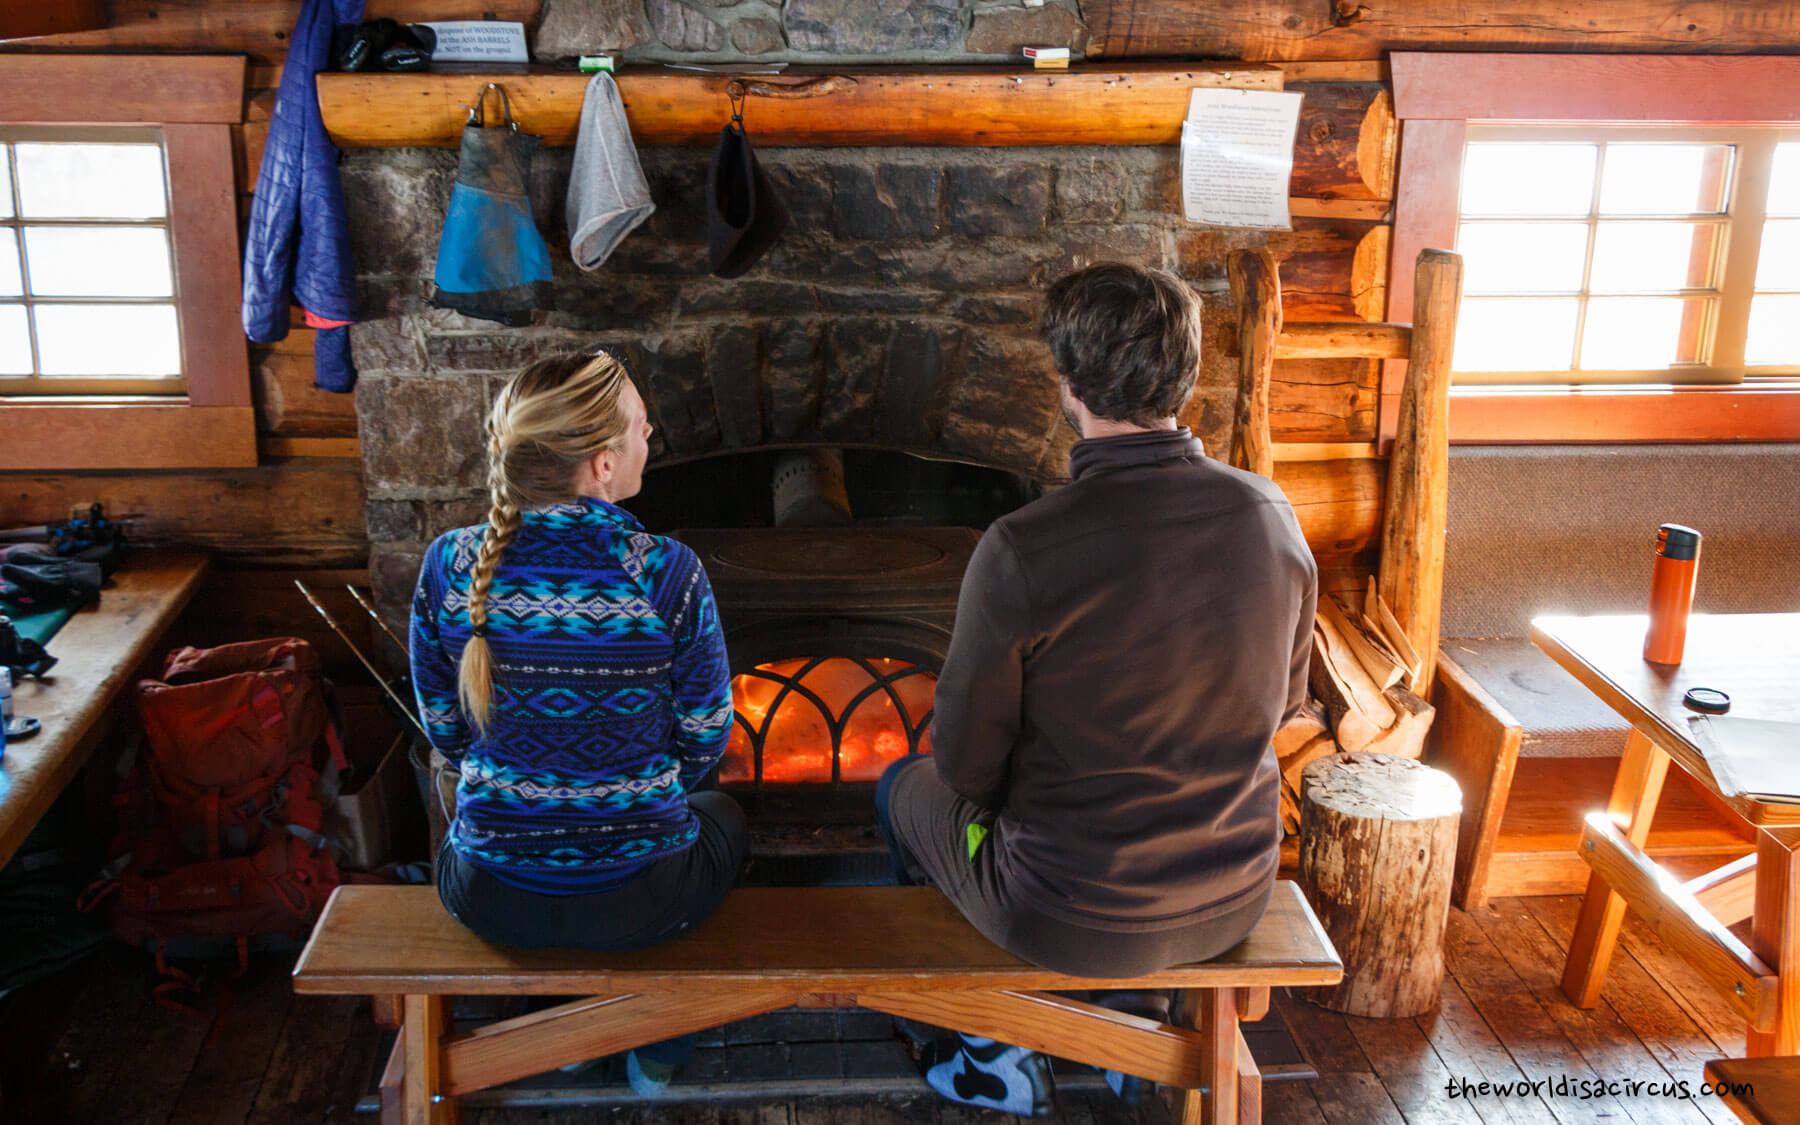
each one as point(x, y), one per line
point(1129, 104)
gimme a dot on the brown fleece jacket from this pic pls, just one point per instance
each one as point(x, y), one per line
point(1124, 650)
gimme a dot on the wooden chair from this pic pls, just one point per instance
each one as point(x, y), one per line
point(1473, 738)
point(901, 950)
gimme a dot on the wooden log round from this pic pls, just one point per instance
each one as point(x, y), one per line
point(1377, 852)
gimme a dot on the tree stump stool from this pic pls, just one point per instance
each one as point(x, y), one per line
point(1377, 850)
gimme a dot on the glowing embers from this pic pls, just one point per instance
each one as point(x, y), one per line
point(796, 718)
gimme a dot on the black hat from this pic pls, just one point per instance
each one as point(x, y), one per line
point(744, 216)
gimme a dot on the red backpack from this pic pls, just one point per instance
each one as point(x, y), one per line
point(219, 846)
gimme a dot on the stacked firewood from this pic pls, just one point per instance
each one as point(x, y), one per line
point(1365, 677)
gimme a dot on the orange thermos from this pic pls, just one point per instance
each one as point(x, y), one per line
point(1671, 592)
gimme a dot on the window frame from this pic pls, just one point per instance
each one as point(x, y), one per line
point(195, 101)
point(1438, 97)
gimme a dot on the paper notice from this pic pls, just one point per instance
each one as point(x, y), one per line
point(478, 41)
point(1237, 152)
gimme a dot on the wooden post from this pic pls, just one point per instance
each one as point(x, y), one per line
point(422, 1101)
point(1412, 531)
point(1256, 291)
point(1377, 848)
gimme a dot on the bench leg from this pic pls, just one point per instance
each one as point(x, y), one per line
point(1635, 792)
point(386, 1010)
point(1249, 1083)
point(1252, 1004)
point(391, 1077)
point(1775, 936)
point(1214, 1013)
point(421, 1099)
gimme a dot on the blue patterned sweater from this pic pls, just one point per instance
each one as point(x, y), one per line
point(612, 695)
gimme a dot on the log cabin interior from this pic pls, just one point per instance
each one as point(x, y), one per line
point(1536, 296)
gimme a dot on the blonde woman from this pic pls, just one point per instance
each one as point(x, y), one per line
point(572, 666)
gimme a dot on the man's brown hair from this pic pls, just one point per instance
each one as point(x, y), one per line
point(1127, 340)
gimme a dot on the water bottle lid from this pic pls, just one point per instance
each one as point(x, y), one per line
point(1707, 701)
point(1675, 541)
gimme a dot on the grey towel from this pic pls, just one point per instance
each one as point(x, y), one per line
point(607, 193)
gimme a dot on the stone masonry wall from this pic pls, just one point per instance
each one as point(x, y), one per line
point(885, 31)
point(898, 311)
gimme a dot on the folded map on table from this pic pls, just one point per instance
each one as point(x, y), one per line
point(1755, 758)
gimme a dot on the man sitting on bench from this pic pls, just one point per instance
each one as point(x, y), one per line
point(1104, 800)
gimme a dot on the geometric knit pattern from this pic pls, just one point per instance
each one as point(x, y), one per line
point(611, 699)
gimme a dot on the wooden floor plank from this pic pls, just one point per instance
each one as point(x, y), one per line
point(1415, 1078)
point(306, 1064)
point(39, 1024)
point(1355, 1099)
point(1696, 996)
point(223, 1085)
point(1671, 1036)
point(1535, 1041)
point(1611, 1050)
point(1321, 1034)
point(141, 1053)
point(1473, 1053)
point(1291, 1103)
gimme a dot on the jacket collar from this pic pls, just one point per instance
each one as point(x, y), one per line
point(1104, 455)
point(583, 511)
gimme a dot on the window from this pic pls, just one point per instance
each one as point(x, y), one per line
point(1634, 256)
point(120, 346)
point(1629, 228)
point(87, 279)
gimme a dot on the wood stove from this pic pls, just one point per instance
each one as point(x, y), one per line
point(836, 636)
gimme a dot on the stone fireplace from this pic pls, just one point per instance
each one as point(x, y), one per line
point(894, 322)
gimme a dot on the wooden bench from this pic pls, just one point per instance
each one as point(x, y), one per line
point(901, 950)
point(1763, 1091)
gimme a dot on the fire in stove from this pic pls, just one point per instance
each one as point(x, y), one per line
point(826, 719)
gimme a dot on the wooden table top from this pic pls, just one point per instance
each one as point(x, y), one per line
point(1753, 657)
point(97, 653)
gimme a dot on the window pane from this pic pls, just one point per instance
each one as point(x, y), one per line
point(5, 182)
point(79, 181)
point(1784, 181)
point(1522, 257)
point(1515, 335)
point(1778, 264)
point(1664, 179)
point(11, 285)
point(1640, 334)
point(108, 339)
point(1774, 333)
point(1528, 179)
point(99, 261)
point(15, 341)
point(1648, 257)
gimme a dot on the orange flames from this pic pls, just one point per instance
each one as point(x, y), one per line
point(797, 746)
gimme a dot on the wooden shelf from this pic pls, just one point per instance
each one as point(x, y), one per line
point(1127, 104)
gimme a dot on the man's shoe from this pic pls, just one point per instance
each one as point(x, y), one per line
point(990, 1075)
point(1132, 1090)
point(648, 1078)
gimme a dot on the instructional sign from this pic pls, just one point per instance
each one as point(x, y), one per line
point(1237, 153)
point(478, 41)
